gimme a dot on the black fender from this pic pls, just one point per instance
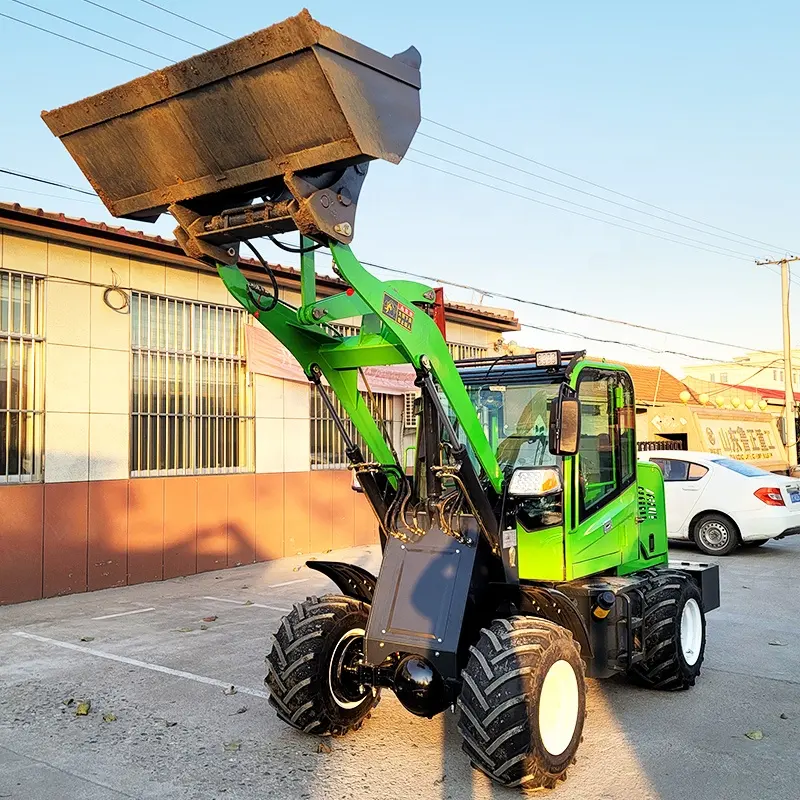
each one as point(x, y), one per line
point(546, 603)
point(352, 581)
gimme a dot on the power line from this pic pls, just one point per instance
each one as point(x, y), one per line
point(575, 189)
point(656, 350)
point(143, 24)
point(574, 334)
point(469, 287)
point(741, 383)
point(47, 194)
point(75, 41)
point(590, 183)
point(492, 145)
point(573, 203)
point(517, 155)
point(48, 182)
point(573, 312)
point(717, 251)
point(570, 211)
point(187, 19)
point(92, 30)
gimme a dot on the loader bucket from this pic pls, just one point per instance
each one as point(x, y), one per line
point(226, 126)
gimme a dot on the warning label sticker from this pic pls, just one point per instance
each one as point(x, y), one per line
point(398, 312)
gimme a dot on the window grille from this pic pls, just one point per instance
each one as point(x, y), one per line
point(327, 445)
point(409, 415)
point(459, 351)
point(21, 406)
point(191, 403)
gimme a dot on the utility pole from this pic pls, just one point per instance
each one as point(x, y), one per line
point(788, 410)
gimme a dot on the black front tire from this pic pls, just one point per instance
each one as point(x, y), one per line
point(675, 632)
point(308, 686)
point(513, 729)
point(715, 535)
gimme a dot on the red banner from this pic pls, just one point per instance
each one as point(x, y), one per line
point(267, 356)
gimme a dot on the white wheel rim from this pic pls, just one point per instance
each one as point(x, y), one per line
point(691, 632)
point(351, 634)
point(558, 707)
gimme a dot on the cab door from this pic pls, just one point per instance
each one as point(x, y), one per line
point(602, 527)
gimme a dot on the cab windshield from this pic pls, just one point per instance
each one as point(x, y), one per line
point(515, 419)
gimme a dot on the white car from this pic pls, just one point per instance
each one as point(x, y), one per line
point(719, 503)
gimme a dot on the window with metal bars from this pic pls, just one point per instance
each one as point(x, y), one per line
point(21, 407)
point(191, 404)
point(459, 351)
point(327, 445)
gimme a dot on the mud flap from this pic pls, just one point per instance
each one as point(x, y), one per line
point(421, 598)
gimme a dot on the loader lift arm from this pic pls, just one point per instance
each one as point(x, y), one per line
point(396, 330)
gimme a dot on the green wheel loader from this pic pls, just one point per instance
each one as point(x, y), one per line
point(527, 550)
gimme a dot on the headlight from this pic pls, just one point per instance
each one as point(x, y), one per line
point(534, 482)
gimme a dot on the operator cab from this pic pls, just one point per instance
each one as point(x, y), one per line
point(568, 510)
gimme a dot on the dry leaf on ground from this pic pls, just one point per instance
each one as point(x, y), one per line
point(83, 708)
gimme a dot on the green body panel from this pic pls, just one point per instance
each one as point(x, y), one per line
point(601, 541)
point(540, 553)
point(651, 548)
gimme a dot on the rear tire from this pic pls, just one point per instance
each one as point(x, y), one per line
point(675, 632)
point(523, 702)
point(715, 535)
point(307, 676)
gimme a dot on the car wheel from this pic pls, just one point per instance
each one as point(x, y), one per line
point(715, 535)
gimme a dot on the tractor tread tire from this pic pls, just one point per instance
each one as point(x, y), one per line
point(665, 594)
point(501, 684)
point(297, 666)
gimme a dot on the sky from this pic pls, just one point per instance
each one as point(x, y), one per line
point(691, 107)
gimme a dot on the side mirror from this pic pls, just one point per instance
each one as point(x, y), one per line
point(565, 423)
point(534, 482)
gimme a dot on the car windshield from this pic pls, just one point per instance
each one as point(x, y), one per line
point(748, 470)
point(515, 419)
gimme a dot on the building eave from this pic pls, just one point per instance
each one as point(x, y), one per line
point(135, 244)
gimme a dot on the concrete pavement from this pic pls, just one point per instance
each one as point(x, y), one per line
point(145, 655)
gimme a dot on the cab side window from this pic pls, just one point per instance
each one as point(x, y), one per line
point(607, 450)
point(596, 463)
point(626, 426)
